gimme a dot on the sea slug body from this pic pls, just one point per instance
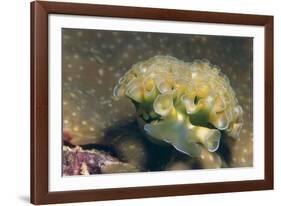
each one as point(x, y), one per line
point(186, 104)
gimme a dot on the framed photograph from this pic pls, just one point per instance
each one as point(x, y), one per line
point(133, 102)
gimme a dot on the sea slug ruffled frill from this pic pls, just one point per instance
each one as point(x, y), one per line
point(186, 104)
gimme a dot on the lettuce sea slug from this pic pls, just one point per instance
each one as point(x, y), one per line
point(188, 105)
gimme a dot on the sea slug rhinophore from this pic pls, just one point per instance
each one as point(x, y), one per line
point(186, 104)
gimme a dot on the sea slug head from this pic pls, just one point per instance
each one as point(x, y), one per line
point(186, 104)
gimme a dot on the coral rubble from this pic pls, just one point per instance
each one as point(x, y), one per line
point(77, 161)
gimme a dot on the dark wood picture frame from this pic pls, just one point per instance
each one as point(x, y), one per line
point(39, 102)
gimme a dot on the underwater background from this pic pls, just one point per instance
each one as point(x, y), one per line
point(106, 130)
